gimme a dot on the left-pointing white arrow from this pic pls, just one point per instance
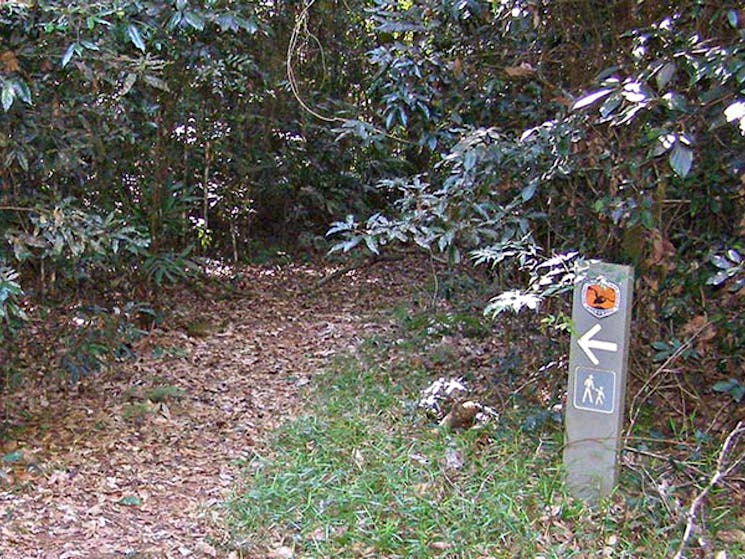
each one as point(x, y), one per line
point(587, 344)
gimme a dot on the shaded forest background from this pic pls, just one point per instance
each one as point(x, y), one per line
point(140, 139)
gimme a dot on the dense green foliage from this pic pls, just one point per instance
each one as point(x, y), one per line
point(174, 119)
point(136, 134)
point(557, 133)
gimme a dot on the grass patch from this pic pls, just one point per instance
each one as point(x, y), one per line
point(364, 474)
point(164, 393)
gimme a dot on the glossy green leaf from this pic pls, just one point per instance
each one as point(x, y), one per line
point(389, 119)
point(22, 160)
point(22, 91)
point(665, 74)
point(646, 218)
point(8, 95)
point(721, 262)
point(195, 20)
point(681, 159)
point(731, 387)
point(732, 18)
point(68, 55)
point(719, 278)
point(249, 24)
point(529, 191)
point(134, 35)
point(227, 22)
point(90, 46)
point(175, 20)
point(372, 244)
point(589, 99)
point(610, 105)
point(469, 161)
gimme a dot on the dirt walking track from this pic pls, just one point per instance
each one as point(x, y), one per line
point(139, 460)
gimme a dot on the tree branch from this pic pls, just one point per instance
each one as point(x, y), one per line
point(719, 475)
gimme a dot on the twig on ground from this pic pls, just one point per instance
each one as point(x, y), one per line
point(722, 472)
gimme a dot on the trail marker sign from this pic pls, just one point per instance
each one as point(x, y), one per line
point(598, 358)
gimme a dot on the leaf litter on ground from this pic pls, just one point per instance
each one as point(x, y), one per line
point(140, 458)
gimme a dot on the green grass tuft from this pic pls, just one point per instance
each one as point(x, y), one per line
point(363, 474)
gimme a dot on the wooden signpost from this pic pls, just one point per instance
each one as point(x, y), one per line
point(598, 358)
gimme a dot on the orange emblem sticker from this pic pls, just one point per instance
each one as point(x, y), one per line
point(600, 298)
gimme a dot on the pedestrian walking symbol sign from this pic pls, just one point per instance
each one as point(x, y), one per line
point(594, 390)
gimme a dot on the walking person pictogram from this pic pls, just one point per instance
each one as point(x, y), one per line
point(589, 389)
point(600, 396)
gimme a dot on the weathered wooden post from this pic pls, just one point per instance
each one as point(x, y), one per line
point(598, 359)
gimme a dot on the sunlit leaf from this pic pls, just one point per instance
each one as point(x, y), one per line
point(732, 18)
point(719, 278)
point(634, 92)
point(8, 95)
point(227, 22)
point(134, 35)
point(663, 144)
point(389, 119)
point(372, 244)
point(249, 25)
point(68, 55)
point(735, 112)
point(588, 100)
point(675, 101)
point(351, 243)
point(90, 46)
point(469, 161)
point(721, 262)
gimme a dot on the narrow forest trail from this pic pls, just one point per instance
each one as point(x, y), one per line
point(105, 471)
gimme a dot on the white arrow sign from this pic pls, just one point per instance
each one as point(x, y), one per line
point(587, 344)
